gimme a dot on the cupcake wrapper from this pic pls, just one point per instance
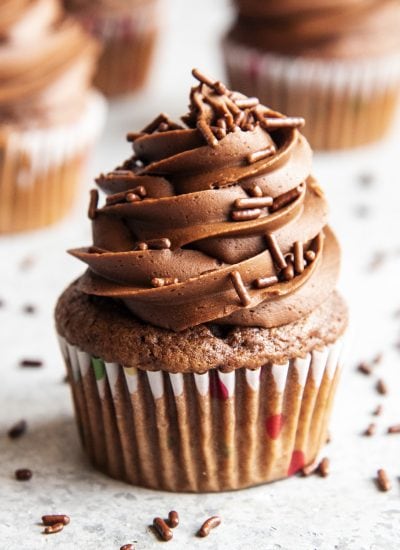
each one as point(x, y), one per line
point(124, 64)
point(346, 103)
point(128, 47)
point(203, 432)
point(40, 168)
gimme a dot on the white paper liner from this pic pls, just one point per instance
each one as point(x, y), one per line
point(203, 432)
point(345, 102)
point(44, 148)
point(41, 168)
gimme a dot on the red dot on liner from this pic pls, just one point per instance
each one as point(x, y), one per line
point(297, 462)
point(274, 425)
point(218, 388)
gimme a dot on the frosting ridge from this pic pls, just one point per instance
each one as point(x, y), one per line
point(315, 28)
point(46, 61)
point(216, 221)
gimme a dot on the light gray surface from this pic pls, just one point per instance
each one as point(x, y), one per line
point(344, 511)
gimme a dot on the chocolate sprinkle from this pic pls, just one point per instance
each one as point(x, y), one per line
point(241, 290)
point(206, 132)
point(260, 155)
point(93, 203)
point(265, 282)
point(286, 198)
point(364, 368)
point(97, 250)
point(120, 197)
point(52, 519)
point(31, 363)
point(162, 529)
point(159, 244)
point(287, 273)
point(370, 430)
point(173, 519)
point(287, 122)
point(163, 127)
point(18, 429)
point(132, 197)
point(395, 429)
point(255, 191)
point(127, 547)
point(219, 133)
point(141, 246)
point(210, 523)
point(51, 529)
point(158, 282)
point(320, 467)
point(381, 387)
point(310, 468)
point(383, 481)
point(152, 127)
point(275, 251)
point(378, 410)
point(23, 474)
point(253, 202)
point(247, 102)
point(377, 359)
point(245, 215)
point(324, 467)
point(217, 86)
point(298, 257)
point(29, 309)
point(133, 136)
point(310, 255)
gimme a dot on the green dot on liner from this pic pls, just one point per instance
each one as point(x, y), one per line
point(98, 367)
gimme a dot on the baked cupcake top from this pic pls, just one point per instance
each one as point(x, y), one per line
point(215, 221)
point(46, 62)
point(318, 28)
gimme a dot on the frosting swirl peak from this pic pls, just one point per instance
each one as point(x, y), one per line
point(46, 62)
point(215, 221)
point(341, 29)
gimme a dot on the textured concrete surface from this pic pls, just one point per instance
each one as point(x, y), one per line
point(342, 512)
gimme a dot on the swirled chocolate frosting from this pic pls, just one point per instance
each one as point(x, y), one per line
point(213, 220)
point(317, 28)
point(46, 62)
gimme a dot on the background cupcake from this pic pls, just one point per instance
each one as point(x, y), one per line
point(128, 30)
point(203, 343)
point(49, 115)
point(335, 62)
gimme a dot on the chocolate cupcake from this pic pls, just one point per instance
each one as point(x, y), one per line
point(335, 62)
point(203, 343)
point(128, 30)
point(49, 115)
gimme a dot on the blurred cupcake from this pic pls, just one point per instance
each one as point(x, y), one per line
point(335, 62)
point(49, 115)
point(128, 30)
point(203, 343)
